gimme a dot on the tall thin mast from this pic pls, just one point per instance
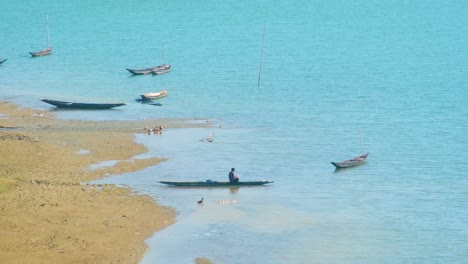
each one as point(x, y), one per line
point(47, 25)
point(261, 56)
point(162, 50)
point(362, 146)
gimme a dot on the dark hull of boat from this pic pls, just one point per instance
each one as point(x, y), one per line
point(71, 105)
point(215, 183)
point(2, 61)
point(41, 53)
point(140, 72)
point(160, 69)
point(351, 162)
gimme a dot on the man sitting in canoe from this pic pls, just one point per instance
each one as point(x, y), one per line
point(233, 178)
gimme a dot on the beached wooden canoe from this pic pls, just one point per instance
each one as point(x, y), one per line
point(214, 183)
point(3, 60)
point(159, 68)
point(72, 105)
point(351, 162)
point(153, 96)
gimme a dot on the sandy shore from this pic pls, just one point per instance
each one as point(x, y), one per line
point(49, 214)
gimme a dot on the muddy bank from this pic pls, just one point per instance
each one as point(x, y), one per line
point(48, 211)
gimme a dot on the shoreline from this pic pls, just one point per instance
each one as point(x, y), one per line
point(49, 214)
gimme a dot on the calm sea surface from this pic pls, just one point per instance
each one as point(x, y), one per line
point(393, 71)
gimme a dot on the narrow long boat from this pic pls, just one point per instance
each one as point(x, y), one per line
point(350, 162)
point(214, 183)
point(3, 60)
point(73, 105)
point(140, 71)
point(40, 53)
point(159, 68)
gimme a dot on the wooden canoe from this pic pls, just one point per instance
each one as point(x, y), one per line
point(140, 71)
point(214, 183)
point(40, 53)
point(159, 68)
point(72, 105)
point(351, 162)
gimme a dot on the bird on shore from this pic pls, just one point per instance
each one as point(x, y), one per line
point(201, 201)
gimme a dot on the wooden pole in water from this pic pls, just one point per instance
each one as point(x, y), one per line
point(261, 56)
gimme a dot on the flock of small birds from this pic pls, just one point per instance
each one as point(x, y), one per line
point(155, 130)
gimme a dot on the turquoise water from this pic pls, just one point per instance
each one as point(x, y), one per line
point(393, 71)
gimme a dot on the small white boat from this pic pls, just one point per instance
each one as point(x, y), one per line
point(153, 96)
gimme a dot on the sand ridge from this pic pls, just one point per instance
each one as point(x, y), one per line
point(49, 214)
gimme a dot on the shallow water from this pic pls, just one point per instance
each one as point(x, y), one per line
point(393, 72)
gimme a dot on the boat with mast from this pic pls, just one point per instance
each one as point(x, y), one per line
point(353, 161)
point(47, 50)
point(156, 70)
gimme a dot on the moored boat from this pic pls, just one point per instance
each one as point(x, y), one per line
point(159, 68)
point(153, 96)
point(210, 183)
point(73, 105)
point(354, 161)
point(40, 53)
point(350, 162)
point(3, 60)
point(46, 51)
point(140, 71)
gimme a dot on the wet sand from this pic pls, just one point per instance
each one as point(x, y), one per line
point(49, 210)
